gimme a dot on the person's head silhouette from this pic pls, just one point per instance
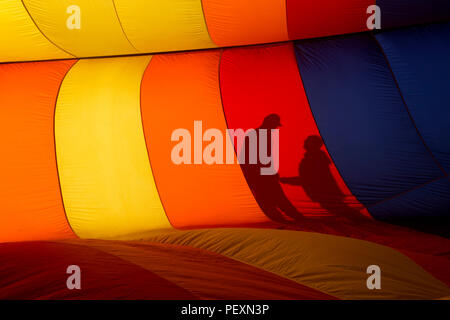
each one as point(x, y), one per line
point(272, 121)
point(313, 143)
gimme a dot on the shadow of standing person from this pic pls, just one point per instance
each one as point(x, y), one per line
point(267, 189)
point(318, 182)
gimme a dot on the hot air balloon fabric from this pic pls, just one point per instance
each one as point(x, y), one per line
point(87, 139)
point(61, 29)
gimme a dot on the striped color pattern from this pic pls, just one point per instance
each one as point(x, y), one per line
point(86, 154)
point(37, 29)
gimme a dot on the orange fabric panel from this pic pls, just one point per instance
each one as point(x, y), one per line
point(31, 206)
point(178, 89)
point(246, 21)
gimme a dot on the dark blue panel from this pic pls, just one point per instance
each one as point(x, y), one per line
point(396, 13)
point(362, 119)
point(420, 60)
point(426, 208)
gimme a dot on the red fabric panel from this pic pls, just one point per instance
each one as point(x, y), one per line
point(136, 270)
point(209, 275)
point(259, 81)
point(37, 270)
point(319, 18)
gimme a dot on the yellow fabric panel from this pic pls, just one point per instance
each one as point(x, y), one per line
point(100, 33)
point(106, 180)
point(20, 39)
point(155, 25)
point(331, 264)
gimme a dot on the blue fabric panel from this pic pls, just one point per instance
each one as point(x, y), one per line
point(362, 118)
point(395, 13)
point(420, 60)
point(426, 208)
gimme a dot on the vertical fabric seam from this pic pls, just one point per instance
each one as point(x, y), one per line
point(287, 20)
point(43, 34)
point(147, 147)
point(318, 128)
point(234, 149)
point(206, 24)
point(388, 64)
point(121, 26)
point(54, 146)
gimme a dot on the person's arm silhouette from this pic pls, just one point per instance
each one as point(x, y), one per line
point(294, 181)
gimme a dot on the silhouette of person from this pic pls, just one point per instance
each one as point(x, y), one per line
point(267, 189)
point(318, 182)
